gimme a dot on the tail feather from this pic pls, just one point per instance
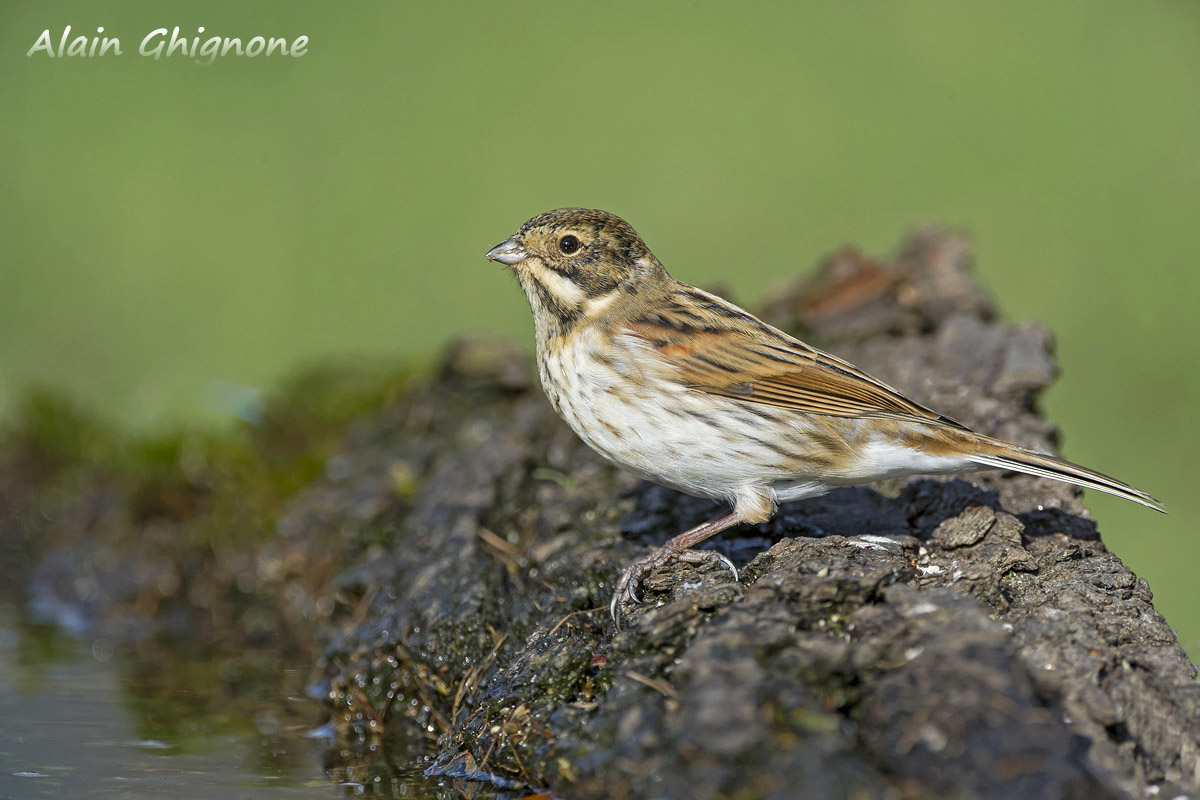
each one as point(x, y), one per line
point(1006, 456)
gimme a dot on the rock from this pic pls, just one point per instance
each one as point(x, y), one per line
point(949, 637)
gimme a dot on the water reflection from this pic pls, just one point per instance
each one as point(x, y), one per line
point(81, 718)
point(73, 724)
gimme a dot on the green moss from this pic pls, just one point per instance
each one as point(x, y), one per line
point(227, 483)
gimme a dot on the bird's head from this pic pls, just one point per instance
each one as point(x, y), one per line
point(578, 263)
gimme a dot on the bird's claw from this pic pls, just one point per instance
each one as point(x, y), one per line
point(707, 557)
point(627, 584)
point(632, 576)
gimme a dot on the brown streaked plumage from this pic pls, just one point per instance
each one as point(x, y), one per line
point(686, 389)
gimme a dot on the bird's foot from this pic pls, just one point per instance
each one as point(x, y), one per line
point(632, 577)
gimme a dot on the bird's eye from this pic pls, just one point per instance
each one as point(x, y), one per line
point(568, 244)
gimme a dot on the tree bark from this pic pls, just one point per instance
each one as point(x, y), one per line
point(958, 637)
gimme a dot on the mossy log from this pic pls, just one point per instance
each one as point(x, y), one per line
point(959, 637)
point(452, 546)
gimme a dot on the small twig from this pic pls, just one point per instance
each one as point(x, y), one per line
point(573, 614)
point(387, 706)
point(428, 701)
point(665, 689)
point(364, 606)
point(471, 679)
point(488, 753)
point(498, 547)
point(468, 678)
point(520, 766)
point(499, 643)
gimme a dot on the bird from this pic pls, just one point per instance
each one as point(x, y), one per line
point(685, 389)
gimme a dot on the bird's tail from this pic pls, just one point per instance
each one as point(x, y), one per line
point(999, 455)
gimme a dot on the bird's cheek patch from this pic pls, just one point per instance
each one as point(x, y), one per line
point(563, 289)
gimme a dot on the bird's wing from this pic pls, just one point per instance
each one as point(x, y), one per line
point(715, 347)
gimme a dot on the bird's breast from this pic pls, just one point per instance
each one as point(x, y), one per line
point(630, 412)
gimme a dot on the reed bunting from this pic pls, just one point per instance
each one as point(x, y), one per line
point(685, 389)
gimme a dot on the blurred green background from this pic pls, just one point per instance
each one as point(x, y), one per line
point(168, 229)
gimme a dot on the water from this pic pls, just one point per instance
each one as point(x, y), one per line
point(91, 719)
point(73, 725)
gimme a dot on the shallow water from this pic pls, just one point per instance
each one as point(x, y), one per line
point(82, 718)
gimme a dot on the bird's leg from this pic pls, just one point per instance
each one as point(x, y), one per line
point(675, 549)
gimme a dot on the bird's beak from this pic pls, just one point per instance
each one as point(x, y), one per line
point(507, 252)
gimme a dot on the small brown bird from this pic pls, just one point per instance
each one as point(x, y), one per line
point(687, 390)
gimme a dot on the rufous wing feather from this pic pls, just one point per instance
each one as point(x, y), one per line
point(717, 348)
